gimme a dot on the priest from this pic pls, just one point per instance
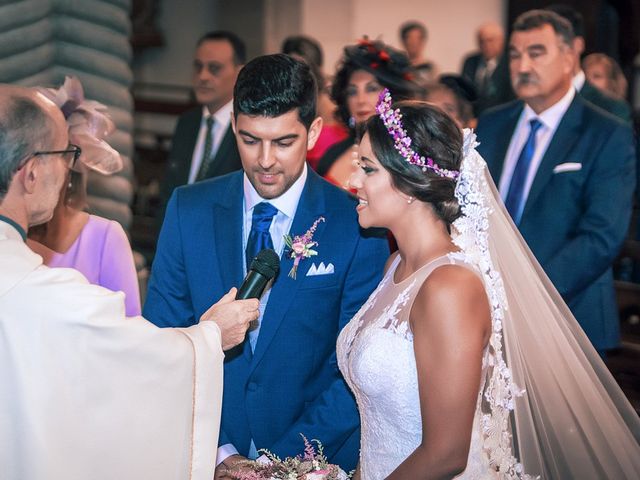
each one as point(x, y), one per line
point(84, 391)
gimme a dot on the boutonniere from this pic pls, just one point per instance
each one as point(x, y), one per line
point(301, 246)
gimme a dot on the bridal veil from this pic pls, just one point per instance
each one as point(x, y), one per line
point(551, 409)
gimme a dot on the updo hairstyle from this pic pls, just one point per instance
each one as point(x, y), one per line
point(433, 134)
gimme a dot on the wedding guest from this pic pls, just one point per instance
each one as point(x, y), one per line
point(333, 131)
point(565, 170)
point(84, 391)
point(619, 108)
point(455, 95)
point(95, 246)
point(283, 380)
point(604, 73)
point(365, 69)
point(488, 68)
point(203, 145)
point(414, 36)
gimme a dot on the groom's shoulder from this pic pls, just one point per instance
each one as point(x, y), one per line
point(338, 196)
point(340, 203)
point(205, 192)
point(341, 208)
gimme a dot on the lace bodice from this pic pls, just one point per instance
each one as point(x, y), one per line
point(376, 356)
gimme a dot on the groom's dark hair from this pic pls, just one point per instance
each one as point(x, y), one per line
point(272, 85)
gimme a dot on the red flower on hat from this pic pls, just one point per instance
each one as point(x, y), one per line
point(384, 56)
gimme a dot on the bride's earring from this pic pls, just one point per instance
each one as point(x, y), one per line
point(410, 200)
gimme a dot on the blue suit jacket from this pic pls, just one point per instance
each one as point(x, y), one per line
point(575, 221)
point(291, 383)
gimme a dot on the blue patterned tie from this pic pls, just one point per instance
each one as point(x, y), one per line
point(260, 238)
point(515, 201)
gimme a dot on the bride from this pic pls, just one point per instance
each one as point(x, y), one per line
point(465, 360)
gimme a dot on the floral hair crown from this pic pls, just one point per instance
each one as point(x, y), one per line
point(392, 119)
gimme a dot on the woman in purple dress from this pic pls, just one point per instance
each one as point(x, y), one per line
point(95, 246)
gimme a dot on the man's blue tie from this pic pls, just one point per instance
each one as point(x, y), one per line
point(259, 238)
point(515, 201)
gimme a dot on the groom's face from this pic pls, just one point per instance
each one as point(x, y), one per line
point(273, 149)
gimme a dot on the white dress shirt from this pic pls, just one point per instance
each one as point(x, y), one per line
point(222, 120)
point(578, 80)
point(550, 120)
point(287, 205)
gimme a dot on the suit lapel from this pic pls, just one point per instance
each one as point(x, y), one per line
point(224, 155)
point(563, 141)
point(227, 222)
point(501, 142)
point(310, 207)
point(185, 155)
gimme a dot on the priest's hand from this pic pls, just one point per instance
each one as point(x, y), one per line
point(228, 465)
point(233, 317)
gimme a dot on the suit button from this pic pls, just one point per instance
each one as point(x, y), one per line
point(252, 386)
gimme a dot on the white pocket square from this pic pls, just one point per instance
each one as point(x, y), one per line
point(567, 167)
point(321, 269)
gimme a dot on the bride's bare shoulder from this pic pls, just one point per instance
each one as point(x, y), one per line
point(454, 296)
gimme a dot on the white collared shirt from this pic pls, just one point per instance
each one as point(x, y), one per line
point(550, 120)
point(287, 205)
point(222, 120)
point(578, 80)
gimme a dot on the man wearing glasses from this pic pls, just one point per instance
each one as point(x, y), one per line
point(84, 391)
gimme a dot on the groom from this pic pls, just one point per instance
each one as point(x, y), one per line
point(283, 381)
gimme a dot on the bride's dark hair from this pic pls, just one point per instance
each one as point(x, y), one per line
point(433, 134)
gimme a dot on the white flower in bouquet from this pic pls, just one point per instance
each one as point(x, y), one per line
point(310, 465)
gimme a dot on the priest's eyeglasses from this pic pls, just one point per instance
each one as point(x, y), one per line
point(70, 155)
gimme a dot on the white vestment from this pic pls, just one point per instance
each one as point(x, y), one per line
point(86, 393)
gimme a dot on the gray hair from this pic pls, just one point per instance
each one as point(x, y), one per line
point(539, 18)
point(24, 129)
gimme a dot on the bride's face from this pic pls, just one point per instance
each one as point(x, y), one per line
point(378, 200)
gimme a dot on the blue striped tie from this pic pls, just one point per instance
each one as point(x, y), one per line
point(515, 200)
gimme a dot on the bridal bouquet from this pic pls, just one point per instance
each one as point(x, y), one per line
point(310, 465)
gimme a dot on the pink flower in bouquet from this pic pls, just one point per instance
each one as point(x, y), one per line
point(311, 465)
point(317, 475)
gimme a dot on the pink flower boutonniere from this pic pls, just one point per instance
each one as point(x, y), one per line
point(301, 246)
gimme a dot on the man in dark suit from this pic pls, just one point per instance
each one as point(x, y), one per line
point(487, 69)
point(619, 108)
point(203, 144)
point(565, 170)
point(284, 379)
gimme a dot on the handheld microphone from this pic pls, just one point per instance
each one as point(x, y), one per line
point(263, 268)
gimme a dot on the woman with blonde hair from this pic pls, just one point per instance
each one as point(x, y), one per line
point(604, 73)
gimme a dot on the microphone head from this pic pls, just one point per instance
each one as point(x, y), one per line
point(266, 263)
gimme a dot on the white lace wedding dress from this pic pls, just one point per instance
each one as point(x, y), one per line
point(376, 356)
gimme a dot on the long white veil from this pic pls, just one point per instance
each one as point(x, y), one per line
point(550, 406)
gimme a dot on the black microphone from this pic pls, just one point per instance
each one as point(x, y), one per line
point(264, 267)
